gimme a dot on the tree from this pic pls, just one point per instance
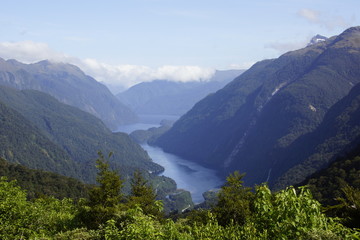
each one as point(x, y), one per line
point(234, 201)
point(15, 213)
point(143, 195)
point(104, 198)
point(349, 206)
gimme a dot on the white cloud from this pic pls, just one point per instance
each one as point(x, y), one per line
point(324, 20)
point(120, 75)
point(28, 51)
point(309, 14)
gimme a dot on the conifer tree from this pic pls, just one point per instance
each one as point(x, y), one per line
point(234, 201)
point(143, 195)
point(104, 198)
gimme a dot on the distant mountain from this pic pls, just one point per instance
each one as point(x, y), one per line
point(173, 98)
point(78, 134)
point(69, 85)
point(252, 123)
point(316, 39)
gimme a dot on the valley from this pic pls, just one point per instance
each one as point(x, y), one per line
point(240, 134)
point(188, 175)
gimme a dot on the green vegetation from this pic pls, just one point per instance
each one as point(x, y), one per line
point(109, 214)
point(337, 134)
point(41, 133)
point(326, 184)
point(76, 134)
point(41, 183)
point(338, 188)
point(281, 120)
point(234, 200)
point(21, 142)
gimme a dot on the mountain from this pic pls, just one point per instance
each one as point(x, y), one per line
point(172, 98)
point(316, 39)
point(77, 133)
point(252, 122)
point(326, 184)
point(21, 142)
point(337, 134)
point(68, 84)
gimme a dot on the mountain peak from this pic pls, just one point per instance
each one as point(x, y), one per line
point(316, 39)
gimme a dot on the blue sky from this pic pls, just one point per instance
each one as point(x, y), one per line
point(125, 42)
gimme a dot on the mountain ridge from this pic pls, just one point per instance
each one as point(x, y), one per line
point(69, 85)
point(78, 133)
point(165, 97)
point(245, 124)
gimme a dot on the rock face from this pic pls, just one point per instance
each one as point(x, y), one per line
point(173, 98)
point(316, 39)
point(69, 85)
point(251, 124)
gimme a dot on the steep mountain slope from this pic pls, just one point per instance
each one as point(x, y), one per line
point(21, 142)
point(172, 98)
point(249, 123)
point(326, 185)
point(69, 85)
point(39, 182)
point(338, 133)
point(78, 133)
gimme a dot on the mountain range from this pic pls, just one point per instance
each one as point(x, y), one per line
point(164, 97)
point(40, 132)
point(68, 84)
point(282, 119)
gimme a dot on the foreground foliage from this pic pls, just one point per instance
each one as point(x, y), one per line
point(108, 214)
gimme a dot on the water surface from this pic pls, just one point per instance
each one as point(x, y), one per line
point(187, 174)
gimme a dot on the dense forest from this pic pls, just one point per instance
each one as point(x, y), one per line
point(238, 213)
point(42, 183)
point(302, 108)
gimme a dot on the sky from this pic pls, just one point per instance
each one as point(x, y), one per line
point(124, 42)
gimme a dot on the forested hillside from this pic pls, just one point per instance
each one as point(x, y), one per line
point(79, 134)
point(328, 183)
point(39, 183)
point(21, 142)
point(251, 123)
point(337, 134)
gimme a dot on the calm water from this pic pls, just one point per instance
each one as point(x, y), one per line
point(188, 175)
point(146, 122)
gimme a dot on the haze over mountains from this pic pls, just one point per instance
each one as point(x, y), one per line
point(69, 85)
point(173, 98)
point(265, 121)
point(279, 121)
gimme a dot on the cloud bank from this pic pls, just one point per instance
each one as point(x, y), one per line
point(115, 75)
point(326, 21)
